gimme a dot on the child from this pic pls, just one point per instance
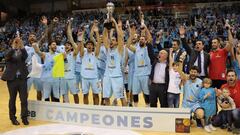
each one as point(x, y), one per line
point(174, 80)
point(207, 98)
point(227, 104)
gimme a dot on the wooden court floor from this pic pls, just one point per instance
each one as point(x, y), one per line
point(5, 124)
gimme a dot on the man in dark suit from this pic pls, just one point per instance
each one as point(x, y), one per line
point(177, 51)
point(197, 57)
point(16, 76)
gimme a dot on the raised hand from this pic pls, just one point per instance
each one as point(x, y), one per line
point(170, 50)
point(218, 92)
point(227, 25)
point(34, 45)
point(44, 20)
point(119, 24)
point(17, 43)
point(95, 27)
point(55, 20)
point(182, 30)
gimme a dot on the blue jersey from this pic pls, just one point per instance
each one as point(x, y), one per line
point(48, 66)
point(102, 58)
point(31, 52)
point(78, 63)
point(191, 92)
point(130, 62)
point(208, 104)
point(89, 66)
point(142, 64)
point(114, 63)
point(69, 66)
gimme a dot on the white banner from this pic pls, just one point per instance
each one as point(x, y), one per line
point(148, 119)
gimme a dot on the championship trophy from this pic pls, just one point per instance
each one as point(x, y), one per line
point(110, 9)
point(141, 16)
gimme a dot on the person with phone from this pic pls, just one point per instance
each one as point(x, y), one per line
point(16, 76)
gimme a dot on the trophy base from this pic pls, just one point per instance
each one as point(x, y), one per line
point(109, 25)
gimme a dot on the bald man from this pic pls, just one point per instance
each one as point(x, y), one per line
point(159, 79)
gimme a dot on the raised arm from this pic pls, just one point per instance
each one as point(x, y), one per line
point(44, 21)
point(17, 44)
point(148, 34)
point(92, 33)
point(170, 58)
point(182, 32)
point(70, 38)
point(129, 42)
point(37, 50)
point(183, 76)
point(126, 57)
point(81, 48)
point(229, 46)
point(118, 27)
point(96, 31)
point(51, 27)
point(105, 38)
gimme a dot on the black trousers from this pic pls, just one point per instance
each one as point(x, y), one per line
point(158, 92)
point(20, 86)
point(218, 83)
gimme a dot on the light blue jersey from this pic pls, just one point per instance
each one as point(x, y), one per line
point(113, 76)
point(142, 64)
point(89, 66)
point(78, 64)
point(130, 69)
point(50, 84)
point(48, 66)
point(102, 58)
point(69, 81)
point(142, 69)
point(191, 92)
point(69, 66)
point(31, 52)
point(89, 73)
point(36, 82)
point(124, 66)
point(209, 103)
point(114, 63)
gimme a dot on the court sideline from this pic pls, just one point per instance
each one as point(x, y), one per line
point(5, 124)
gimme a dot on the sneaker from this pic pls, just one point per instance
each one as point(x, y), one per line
point(224, 126)
point(206, 128)
point(212, 127)
point(229, 128)
point(130, 104)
